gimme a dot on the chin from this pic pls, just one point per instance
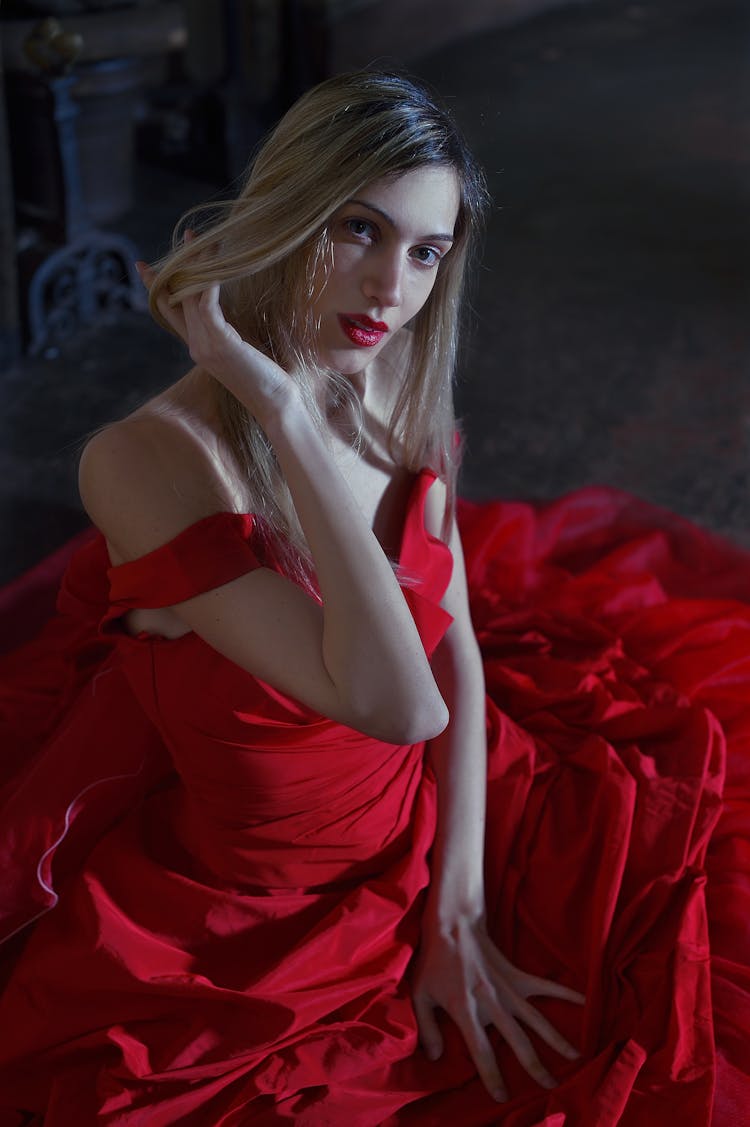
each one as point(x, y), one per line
point(353, 368)
point(348, 363)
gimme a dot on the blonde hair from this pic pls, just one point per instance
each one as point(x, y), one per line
point(270, 248)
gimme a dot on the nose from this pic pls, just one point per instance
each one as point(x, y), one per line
point(384, 279)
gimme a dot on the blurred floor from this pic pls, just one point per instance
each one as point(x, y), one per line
point(610, 337)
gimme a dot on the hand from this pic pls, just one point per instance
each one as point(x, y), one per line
point(216, 346)
point(464, 973)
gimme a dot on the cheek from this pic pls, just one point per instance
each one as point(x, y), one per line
point(331, 293)
point(346, 260)
point(421, 290)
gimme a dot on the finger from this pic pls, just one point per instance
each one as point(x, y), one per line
point(539, 1023)
point(206, 327)
point(429, 1031)
point(480, 1049)
point(210, 304)
point(521, 1045)
point(145, 272)
point(174, 315)
point(534, 986)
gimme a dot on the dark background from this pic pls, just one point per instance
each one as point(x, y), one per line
point(609, 330)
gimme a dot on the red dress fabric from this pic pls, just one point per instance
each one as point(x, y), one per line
point(211, 895)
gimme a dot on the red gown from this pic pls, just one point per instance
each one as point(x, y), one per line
point(212, 894)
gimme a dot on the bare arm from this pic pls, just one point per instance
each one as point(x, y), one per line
point(459, 968)
point(357, 658)
point(459, 757)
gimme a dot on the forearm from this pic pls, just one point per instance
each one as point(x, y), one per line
point(459, 970)
point(459, 758)
point(363, 654)
point(370, 644)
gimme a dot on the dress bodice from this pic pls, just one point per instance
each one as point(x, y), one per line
point(238, 883)
point(272, 792)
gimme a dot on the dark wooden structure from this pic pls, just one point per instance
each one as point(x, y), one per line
point(10, 325)
point(72, 92)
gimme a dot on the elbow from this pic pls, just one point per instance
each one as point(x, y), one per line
point(410, 725)
point(434, 721)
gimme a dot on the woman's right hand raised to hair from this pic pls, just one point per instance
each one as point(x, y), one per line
point(354, 655)
point(216, 347)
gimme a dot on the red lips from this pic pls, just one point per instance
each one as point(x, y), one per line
point(366, 322)
point(362, 330)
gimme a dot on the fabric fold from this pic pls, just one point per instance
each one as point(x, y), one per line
point(216, 893)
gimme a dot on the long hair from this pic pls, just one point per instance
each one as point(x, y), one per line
point(270, 248)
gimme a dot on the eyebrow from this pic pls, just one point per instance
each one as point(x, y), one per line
point(442, 238)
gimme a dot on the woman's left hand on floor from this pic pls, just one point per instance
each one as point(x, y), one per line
point(460, 970)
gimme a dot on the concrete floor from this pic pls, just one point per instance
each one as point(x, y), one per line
point(610, 336)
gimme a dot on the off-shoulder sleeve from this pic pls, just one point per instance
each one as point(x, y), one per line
point(205, 555)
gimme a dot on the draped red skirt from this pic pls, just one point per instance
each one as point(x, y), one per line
point(211, 896)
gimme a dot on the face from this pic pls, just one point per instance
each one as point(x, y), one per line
point(388, 243)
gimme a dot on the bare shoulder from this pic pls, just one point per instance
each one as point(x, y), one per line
point(144, 479)
point(434, 509)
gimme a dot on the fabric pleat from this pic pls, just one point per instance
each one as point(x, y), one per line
point(211, 894)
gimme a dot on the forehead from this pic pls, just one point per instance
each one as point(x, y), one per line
point(425, 199)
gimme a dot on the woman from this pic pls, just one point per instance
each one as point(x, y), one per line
point(263, 928)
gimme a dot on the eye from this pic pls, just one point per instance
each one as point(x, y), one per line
point(427, 256)
point(360, 228)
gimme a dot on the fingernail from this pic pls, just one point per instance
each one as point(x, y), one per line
point(548, 1081)
point(499, 1095)
point(433, 1052)
point(571, 1053)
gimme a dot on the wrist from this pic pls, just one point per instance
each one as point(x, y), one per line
point(283, 415)
point(448, 909)
point(457, 868)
